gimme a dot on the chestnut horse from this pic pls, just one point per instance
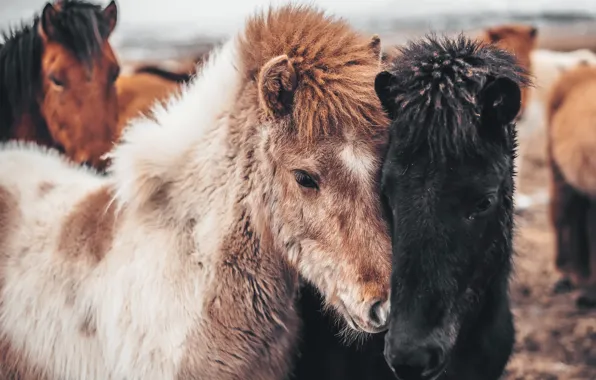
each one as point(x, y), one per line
point(57, 81)
point(571, 118)
point(138, 93)
point(184, 262)
point(521, 41)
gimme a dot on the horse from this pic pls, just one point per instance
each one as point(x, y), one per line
point(57, 81)
point(520, 40)
point(138, 92)
point(151, 83)
point(548, 65)
point(448, 185)
point(571, 113)
point(185, 260)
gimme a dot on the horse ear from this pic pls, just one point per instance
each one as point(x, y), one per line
point(493, 35)
point(110, 12)
point(277, 83)
point(375, 46)
point(383, 83)
point(46, 21)
point(501, 101)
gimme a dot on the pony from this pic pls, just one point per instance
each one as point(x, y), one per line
point(184, 262)
point(571, 133)
point(448, 184)
point(138, 93)
point(520, 40)
point(55, 75)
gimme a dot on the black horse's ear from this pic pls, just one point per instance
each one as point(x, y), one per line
point(501, 101)
point(383, 83)
point(46, 22)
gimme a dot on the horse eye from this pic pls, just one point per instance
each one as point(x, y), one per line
point(481, 207)
point(114, 75)
point(305, 180)
point(56, 81)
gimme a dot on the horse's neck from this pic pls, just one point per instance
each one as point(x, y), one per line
point(252, 303)
point(30, 126)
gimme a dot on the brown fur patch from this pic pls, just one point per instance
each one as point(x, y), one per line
point(335, 75)
point(88, 327)
point(15, 366)
point(8, 212)
point(571, 116)
point(89, 229)
point(45, 187)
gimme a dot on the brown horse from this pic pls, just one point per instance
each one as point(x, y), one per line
point(184, 263)
point(519, 40)
point(571, 116)
point(57, 81)
point(148, 84)
point(138, 93)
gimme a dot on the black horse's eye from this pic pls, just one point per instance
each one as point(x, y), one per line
point(481, 207)
point(305, 180)
point(56, 81)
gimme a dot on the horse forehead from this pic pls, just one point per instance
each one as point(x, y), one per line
point(358, 159)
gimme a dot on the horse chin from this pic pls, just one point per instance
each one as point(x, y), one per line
point(353, 322)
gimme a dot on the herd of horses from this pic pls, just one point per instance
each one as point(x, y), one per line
point(297, 190)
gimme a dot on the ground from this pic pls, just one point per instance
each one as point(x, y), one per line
point(555, 340)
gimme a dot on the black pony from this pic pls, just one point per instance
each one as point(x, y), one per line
point(448, 188)
point(448, 181)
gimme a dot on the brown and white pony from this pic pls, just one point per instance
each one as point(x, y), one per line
point(571, 117)
point(57, 81)
point(184, 262)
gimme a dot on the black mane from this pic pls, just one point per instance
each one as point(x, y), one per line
point(435, 87)
point(79, 26)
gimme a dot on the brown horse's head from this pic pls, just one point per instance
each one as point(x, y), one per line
point(78, 71)
point(319, 145)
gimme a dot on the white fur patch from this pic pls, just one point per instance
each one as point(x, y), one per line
point(359, 162)
point(149, 149)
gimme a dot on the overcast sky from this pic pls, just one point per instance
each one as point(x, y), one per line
point(225, 15)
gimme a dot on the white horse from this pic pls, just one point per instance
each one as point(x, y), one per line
point(184, 262)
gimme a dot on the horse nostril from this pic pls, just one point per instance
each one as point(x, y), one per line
point(423, 363)
point(436, 358)
point(379, 313)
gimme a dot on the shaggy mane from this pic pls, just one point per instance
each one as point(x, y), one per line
point(336, 79)
point(435, 87)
